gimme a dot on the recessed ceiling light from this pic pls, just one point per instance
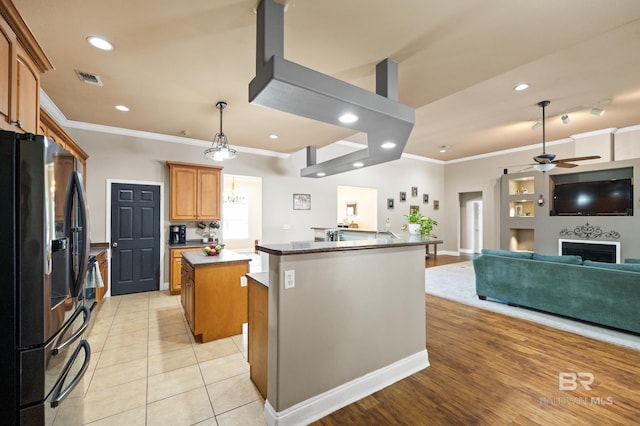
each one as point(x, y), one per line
point(443, 148)
point(597, 111)
point(122, 108)
point(321, 174)
point(388, 145)
point(520, 87)
point(348, 118)
point(100, 43)
point(273, 136)
point(358, 164)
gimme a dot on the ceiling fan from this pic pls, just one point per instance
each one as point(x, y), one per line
point(546, 161)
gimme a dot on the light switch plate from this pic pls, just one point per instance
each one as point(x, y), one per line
point(243, 281)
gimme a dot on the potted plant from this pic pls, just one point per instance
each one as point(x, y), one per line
point(420, 224)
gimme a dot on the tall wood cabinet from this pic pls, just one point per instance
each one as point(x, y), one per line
point(194, 192)
point(22, 60)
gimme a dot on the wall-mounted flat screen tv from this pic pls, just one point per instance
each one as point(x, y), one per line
point(612, 197)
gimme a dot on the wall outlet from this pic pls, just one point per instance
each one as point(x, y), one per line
point(243, 281)
point(289, 278)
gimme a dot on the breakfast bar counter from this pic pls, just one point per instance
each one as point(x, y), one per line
point(342, 320)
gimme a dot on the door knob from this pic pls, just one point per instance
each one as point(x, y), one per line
point(114, 245)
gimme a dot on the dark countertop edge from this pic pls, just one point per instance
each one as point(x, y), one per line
point(327, 246)
point(97, 248)
point(260, 277)
point(189, 244)
point(196, 259)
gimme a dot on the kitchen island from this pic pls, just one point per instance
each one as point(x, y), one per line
point(344, 319)
point(214, 293)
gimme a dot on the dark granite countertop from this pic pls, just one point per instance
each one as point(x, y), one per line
point(198, 258)
point(189, 243)
point(303, 247)
point(97, 248)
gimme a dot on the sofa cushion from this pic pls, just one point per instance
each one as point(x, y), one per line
point(570, 259)
point(506, 253)
point(631, 260)
point(632, 267)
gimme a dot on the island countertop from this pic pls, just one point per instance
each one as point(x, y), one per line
point(303, 247)
point(198, 258)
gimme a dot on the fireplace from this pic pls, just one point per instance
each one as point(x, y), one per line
point(599, 251)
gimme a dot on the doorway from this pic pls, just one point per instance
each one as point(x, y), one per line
point(135, 237)
point(471, 231)
point(357, 207)
point(241, 212)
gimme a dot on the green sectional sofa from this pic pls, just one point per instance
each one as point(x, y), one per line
point(602, 293)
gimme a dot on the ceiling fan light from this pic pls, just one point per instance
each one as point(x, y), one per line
point(544, 167)
point(520, 87)
point(597, 111)
point(565, 119)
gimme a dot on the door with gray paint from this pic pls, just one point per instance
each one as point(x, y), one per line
point(135, 238)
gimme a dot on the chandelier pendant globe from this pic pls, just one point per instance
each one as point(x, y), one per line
point(220, 149)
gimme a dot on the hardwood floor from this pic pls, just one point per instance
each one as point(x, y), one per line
point(491, 369)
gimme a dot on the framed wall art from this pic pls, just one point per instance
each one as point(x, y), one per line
point(302, 201)
point(414, 191)
point(425, 198)
point(403, 196)
point(389, 203)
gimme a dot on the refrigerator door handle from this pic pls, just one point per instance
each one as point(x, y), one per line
point(76, 186)
point(59, 394)
point(87, 316)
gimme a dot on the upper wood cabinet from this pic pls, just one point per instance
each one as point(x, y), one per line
point(194, 192)
point(22, 60)
point(49, 128)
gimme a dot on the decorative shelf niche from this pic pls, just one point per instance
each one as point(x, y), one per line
point(522, 186)
point(521, 239)
point(521, 208)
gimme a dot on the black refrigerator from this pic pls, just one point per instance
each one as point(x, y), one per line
point(44, 244)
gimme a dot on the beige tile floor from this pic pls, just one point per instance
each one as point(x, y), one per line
point(146, 369)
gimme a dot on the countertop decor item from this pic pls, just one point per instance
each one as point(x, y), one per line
point(212, 249)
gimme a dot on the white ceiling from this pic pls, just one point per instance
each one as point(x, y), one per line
point(458, 63)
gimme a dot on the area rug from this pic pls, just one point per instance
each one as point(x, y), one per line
point(456, 282)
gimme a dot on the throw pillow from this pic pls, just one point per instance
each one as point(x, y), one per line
point(506, 253)
point(632, 267)
point(567, 259)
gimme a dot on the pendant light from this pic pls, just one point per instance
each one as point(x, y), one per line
point(220, 149)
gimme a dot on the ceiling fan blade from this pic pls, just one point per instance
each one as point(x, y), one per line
point(565, 165)
point(564, 160)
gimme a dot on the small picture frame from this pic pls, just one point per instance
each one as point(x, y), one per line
point(425, 198)
point(403, 196)
point(414, 209)
point(436, 204)
point(302, 201)
point(518, 210)
point(414, 191)
point(390, 203)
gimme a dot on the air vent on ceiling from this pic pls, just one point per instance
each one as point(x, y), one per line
point(89, 78)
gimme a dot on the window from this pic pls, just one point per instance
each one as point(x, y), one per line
point(235, 225)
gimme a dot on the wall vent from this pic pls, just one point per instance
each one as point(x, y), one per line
point(89, 78)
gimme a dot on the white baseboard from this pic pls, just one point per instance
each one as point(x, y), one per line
point(326, 403)
point(449, 252)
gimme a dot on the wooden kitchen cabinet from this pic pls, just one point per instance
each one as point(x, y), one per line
point(49, 128)
point(175, 268)
point(194, 192)
point(22, 60)
point(103, 267)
